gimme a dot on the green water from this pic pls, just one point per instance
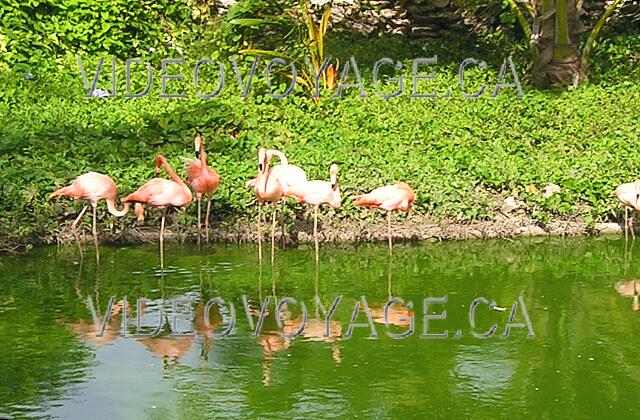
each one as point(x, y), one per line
point(584, 360)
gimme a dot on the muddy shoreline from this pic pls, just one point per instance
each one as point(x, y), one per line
point(412, 228)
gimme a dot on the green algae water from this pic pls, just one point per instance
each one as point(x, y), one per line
point(572, 350)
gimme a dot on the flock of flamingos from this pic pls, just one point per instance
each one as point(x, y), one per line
point(272, 184)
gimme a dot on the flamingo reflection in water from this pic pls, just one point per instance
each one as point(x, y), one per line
point(397, 314)
point(630, 289)
point(271, 342)
point(172, 349)
point(90, 331)
point(315, 329)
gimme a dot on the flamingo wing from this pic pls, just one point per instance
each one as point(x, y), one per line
point(294, 175)
point(193, 168)
point(160, 192)
point(315, 192)
point(390, 197)
point(92, 186)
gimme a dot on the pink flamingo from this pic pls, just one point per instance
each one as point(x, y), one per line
point(318, 192)
point(161, 193)
point(288, 175)
point(272, 184)
point(399, 196)
point(629, 196)
point(204, 181)
point(267, 188)
point(92, 187)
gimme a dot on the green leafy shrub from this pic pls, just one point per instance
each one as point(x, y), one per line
point(37, 31)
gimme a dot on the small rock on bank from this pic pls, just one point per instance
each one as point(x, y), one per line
point(531, 230)
point(608, 228)
point(550, 189)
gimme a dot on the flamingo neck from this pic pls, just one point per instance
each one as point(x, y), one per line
point(336, 199)
point(283, 159)
point(203, 156)
point(111, 206)
point(172, 174)
point(264, 177)
point(285, 166)
point(334, 181)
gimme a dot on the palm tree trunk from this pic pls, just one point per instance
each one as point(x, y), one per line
point(556, 29)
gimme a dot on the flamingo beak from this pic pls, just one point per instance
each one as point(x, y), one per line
point(264, 165)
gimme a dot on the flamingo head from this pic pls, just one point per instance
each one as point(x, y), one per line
point(336, 199)
point(139, 210)
point(333, 173)
point(411, 196)
point(198, 142)
point(263, 160)
point(160, 160)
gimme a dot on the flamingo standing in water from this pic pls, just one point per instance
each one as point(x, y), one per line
point(315, 193)
point(204, 181)
point(272, 184)
point(267, 188)
point(92, 187)
point(290, 176)
point(399, 196)
point(629, 195)
point(162, 193)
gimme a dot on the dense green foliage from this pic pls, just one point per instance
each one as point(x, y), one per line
point(35, 31)
point(461, 156)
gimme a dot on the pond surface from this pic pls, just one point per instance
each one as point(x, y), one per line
point(584, 360)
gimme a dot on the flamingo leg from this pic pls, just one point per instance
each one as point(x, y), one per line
point(164, 214)
point(626, 222)
point(273, 232)
point(94, 231)
point(259, 231)
point(199, 196)
point(206, 220)
point(74, 229)
point(389, 280)
point(389, 233)
point(315, 232)
point(633, 234)
point(283, 233)
point(74, 225)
